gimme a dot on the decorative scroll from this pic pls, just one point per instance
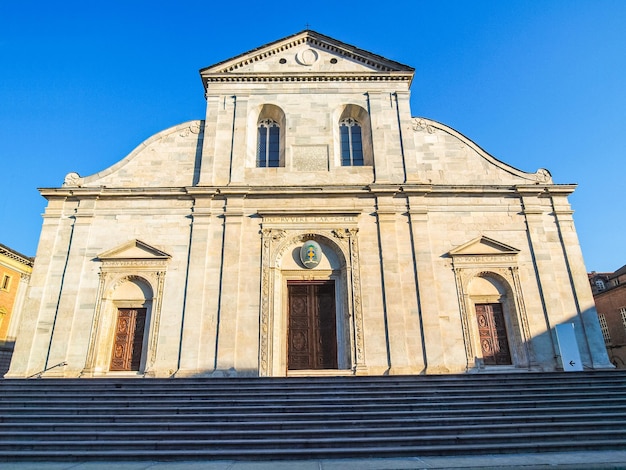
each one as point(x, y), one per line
point(73, 179)
point(420, 124)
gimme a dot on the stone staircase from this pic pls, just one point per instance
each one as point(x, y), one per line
point(306, 418)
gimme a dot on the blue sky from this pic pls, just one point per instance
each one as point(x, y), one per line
point(534, 83)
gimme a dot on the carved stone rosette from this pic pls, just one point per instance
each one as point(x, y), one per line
point(275, 244)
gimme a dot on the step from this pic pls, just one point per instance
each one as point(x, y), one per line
point(317, 417)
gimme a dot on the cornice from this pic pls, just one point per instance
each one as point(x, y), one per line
point(306, 212)
point(16, 257)
point(312, 38)
point(236, 69)
point(218, 192)
point(309, 77)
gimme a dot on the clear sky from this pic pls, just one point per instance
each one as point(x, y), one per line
point(534, 83)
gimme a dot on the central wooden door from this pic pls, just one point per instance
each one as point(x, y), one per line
point(492, 333)
point(312, 336)
point(128, 341)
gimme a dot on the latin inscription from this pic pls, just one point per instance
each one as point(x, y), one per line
point(307, 219)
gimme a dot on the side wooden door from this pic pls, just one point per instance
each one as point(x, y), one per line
point(128, 339)
point(492, 332)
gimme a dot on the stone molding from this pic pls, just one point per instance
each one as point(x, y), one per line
point(309, 77)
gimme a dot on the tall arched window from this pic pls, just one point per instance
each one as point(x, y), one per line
point(268, 144)
point(351, 142)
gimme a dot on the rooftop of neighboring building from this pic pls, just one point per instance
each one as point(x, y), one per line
point(602, 282)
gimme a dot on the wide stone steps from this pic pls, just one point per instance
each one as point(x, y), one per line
point(320, 394)
point(217, 434)
point(323, 417)
point(175, 422)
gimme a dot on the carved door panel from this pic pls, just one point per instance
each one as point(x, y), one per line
point(312, 337)
point(492, 333)
point(128, 339)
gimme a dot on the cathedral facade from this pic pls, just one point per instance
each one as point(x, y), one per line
point(309, 225)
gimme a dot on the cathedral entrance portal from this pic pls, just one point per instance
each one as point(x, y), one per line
point(492, 333)
point(312, 328)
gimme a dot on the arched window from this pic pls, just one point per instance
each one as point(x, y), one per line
point(351, 142)
point(268, 144)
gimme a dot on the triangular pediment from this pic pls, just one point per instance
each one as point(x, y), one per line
point(134, 249)
point(483, 246)
point(305, 53)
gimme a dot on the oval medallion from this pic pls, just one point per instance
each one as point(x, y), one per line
point(310, 254)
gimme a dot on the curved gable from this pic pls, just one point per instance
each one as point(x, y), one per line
point(445, 156)
point(169, 158)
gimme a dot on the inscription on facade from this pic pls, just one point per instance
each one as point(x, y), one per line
point(295, 219)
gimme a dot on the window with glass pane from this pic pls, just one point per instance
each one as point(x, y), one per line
point(268, 150)
point(605, 328)
point(351, 143)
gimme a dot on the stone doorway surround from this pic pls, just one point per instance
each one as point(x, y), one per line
point(131, 276)
point(486, 271)
point(282, 233)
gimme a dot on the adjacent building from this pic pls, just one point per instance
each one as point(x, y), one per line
point(308, 225)
point(15, 270)
point(609, 293)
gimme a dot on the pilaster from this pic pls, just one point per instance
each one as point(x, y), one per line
point(534, 212)
point(207, 359)
point(397, 307)
point(405, 126)
point(195, 327)
point(433, 345)
point(238, 155)
point(593, 343)
point(207, 167)
point(377, 102)
point(229, 293)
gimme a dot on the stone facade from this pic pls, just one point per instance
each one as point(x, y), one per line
point(422, 230)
